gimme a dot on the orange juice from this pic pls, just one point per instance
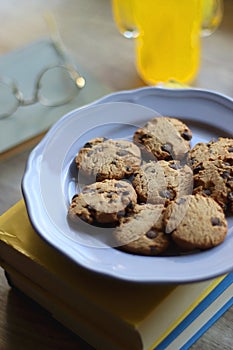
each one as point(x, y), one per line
point(168, 45)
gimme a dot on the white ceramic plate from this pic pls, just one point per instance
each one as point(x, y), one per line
point(49, 181)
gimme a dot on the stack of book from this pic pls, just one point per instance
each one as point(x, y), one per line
point(99, 308)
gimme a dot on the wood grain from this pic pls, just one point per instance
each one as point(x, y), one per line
point(89, 33)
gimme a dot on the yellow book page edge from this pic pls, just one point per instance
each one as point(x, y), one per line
point(201, 297)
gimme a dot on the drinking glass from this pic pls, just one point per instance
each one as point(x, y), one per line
point(167, 35)
point(124, 17)
point(212, 13)
point(123, 13)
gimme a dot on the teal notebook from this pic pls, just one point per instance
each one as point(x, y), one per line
point(23, 66)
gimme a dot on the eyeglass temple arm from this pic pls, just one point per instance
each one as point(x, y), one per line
point(61, 50)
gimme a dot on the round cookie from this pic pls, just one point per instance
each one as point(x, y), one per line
point(162, 181)
point(164, 138)
point(213, 150)
point(142, 232)
point(103, 202)
point(215, 179)
point(108, 159)
point(195, 222)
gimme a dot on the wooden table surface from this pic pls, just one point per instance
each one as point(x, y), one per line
point(89, 33)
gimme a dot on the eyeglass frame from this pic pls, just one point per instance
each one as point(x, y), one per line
point(75, 76)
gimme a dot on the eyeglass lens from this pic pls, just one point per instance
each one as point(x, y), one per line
point(56, 87)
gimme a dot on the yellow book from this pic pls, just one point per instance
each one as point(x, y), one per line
point(99, 308)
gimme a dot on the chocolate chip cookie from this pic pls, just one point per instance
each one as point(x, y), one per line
point(214, 178)
point(162, 181)
point(164, 138)
point(103, 202)
point(213, 150)
point(103, 158)
point(142, 232)
point(195, 222)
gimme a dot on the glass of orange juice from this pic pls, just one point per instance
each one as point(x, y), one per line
point(168, 47)
point(167, 43)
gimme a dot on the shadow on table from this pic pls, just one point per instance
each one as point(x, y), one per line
point(29, 326)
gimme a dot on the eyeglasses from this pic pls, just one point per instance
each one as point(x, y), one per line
point(55, 86)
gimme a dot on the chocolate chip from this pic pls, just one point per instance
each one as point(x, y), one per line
point(186, 135)
point(88, 145)
point(193, 161)
point(175, 166)
point(216, 222)
point(118, 185)
point(197, 169)
point(90, 208)
point(121, 214)
point(130, 205)
point(181, 201)
point(226, 175)
point(122, 153)
point(98, 177)
point(230, 196)
point(185, 160)
point(112, 200)
point(90, 153)
point(128, 168)
point(125, 193)
point(167, 147)
point(151, 234)
point(144, 136)
point(168, 194)
point(230, 149)
point(149, 168)
point(207, 192)
point(226, 164)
